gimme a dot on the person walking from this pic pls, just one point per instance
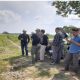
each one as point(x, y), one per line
point(24, 42)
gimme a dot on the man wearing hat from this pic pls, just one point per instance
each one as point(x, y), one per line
point(74, 50)
point(24, 42)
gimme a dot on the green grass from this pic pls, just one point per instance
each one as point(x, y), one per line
point(43, 73)
point(13, 37)
point(7, 50)
point(3, 66)
point(3, 41)
point(5, 62)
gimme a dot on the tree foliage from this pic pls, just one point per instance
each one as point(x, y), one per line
point(68, 29)
point(64, 8)
point(5, 32)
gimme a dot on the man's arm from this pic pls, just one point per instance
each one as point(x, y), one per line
point(19, 37)
point(74, 42)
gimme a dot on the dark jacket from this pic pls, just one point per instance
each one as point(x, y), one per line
point(35, 39)
point(44, 40)
point(24, 38)
point(58, 39)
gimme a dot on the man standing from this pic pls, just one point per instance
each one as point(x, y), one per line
point(44, 43)
point(24, 42)
point(38, 33)
point(57, 46)
point(74, 51)
point(64, 36)
point(34, 50)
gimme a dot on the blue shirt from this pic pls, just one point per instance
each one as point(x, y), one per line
point(73, 47)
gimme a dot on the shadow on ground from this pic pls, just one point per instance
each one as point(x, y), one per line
point(69, 75)
point(19, 62)
point(40, 69)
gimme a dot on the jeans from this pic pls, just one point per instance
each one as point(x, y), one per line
point(24, 47)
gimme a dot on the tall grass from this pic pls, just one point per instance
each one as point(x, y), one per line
point(7, 50)
point(13, 37)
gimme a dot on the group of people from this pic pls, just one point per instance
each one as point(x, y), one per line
point(40, 43)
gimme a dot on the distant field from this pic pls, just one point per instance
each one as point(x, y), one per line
point(5, 44)
point(13, 37)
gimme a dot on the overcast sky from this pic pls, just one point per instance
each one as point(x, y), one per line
point(18, 15)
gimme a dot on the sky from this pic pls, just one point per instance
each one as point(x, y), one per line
point(30, 15)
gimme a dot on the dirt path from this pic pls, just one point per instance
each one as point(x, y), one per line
point(14, 43)
point(23, 69)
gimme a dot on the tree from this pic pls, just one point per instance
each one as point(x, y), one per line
point(68, 29)
point(64, 8)
point(5, 32)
